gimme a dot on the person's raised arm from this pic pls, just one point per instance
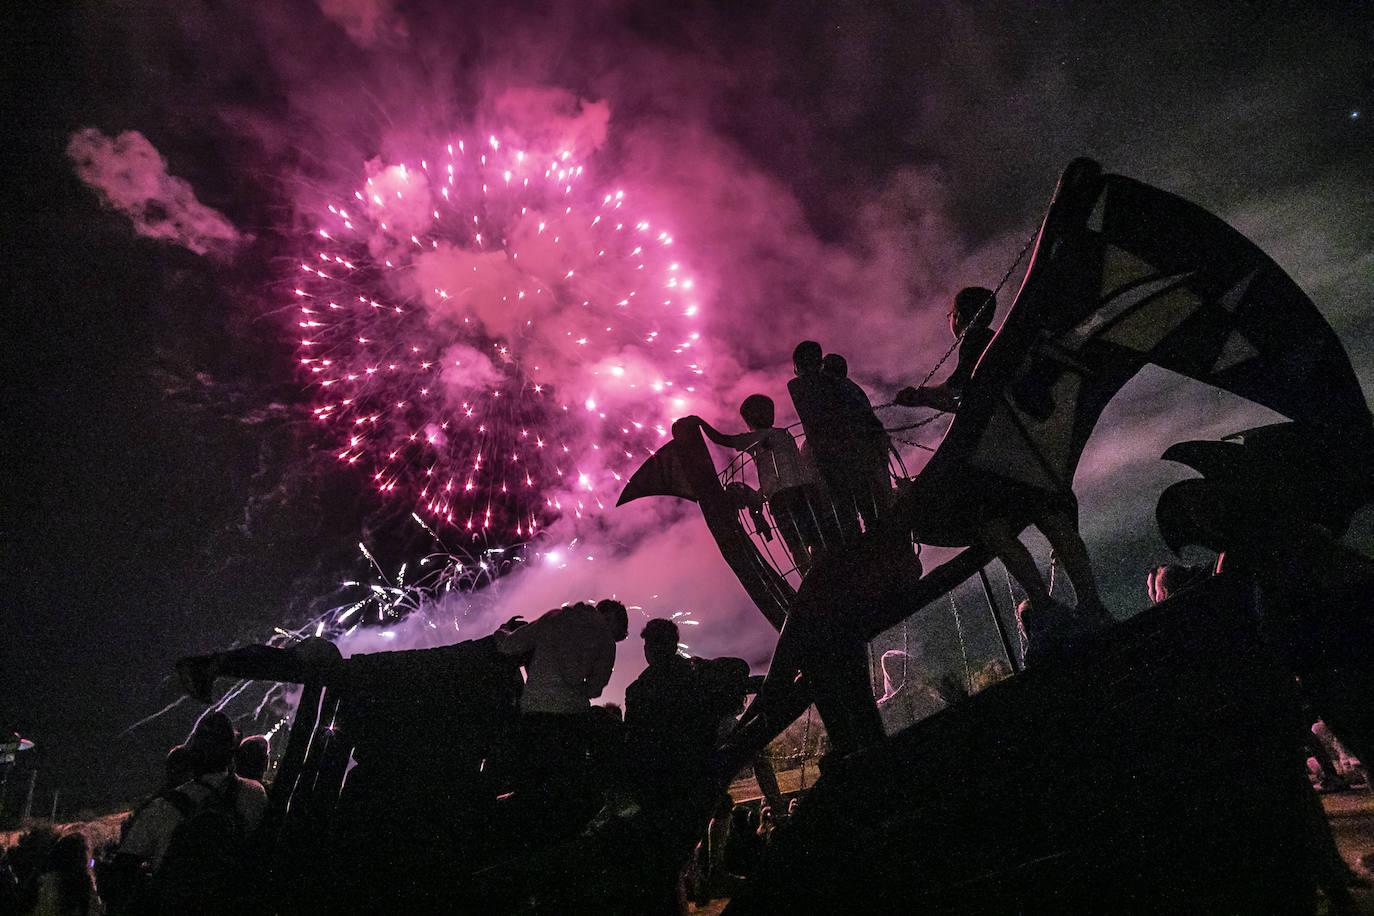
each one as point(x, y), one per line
point(520, 640)
point(312, 659)
point(740, 441)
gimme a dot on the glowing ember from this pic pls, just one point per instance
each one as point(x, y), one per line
point(492, 341)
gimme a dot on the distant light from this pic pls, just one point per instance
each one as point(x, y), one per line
point(1354, 114)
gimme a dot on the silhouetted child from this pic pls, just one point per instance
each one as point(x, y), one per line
point(873, 442)
point(970, 317)
point(787, 479)
point(970, 320)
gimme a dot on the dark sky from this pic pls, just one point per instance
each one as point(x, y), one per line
point(834, 171)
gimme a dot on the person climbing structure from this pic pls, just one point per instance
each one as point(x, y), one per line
point(970, 317)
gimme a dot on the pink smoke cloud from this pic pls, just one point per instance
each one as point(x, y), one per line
point(370, 23)
point(656, 116)
point(131, 176)
point(552, 118)
point(672, 569)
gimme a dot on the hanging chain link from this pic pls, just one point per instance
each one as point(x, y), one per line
point(963, 650)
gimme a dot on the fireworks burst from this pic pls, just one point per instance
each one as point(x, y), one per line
point(491, 340)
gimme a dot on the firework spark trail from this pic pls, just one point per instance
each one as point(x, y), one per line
point(427, 599)
point(148, 718)
point(493, 341)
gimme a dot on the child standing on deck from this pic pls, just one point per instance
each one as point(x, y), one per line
point(789, 482)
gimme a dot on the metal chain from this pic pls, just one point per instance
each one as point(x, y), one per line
point(1021, 631)
point(963, 650)
point(992, 298)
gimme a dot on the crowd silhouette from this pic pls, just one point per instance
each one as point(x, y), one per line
point(504, 805)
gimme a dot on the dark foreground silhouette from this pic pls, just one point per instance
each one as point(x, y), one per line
point(1149, 766)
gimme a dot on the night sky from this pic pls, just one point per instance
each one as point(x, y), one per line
point(831, 171)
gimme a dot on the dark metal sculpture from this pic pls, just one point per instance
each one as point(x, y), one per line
point(1123, 275)
point(1149, 768)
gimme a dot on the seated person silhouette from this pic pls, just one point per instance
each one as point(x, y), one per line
point(788, 480)
point(908, 695)
point(1040, 616)
point(847, 440)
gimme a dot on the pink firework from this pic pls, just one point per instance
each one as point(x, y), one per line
point(491, 340)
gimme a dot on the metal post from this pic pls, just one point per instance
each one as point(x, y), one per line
point(53, 816)
point(28, 801)
point(997, 619)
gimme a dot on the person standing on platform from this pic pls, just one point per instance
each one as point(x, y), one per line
point(570, 653)
point(844, 436)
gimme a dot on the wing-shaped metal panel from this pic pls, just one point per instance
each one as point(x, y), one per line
point(1123, 275)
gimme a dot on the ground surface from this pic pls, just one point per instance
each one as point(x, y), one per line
point(1351, 814)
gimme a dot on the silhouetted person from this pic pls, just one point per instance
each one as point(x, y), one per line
point(66, 886)
point(192, 840)
point(970, 320)
point(178, 767)
point(788, 480)
point(970, 317)
point(907, 696)
point(669, 725)
point(570, 652)
point(845, 437)
point(251, 758)
point(871, 474)
point(834, 366)
point(673, 712)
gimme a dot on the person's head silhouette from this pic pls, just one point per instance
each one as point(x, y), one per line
point(660, 640)
point(806, 358)
point(616, 616)
point(758, 411)
point(973, 305)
